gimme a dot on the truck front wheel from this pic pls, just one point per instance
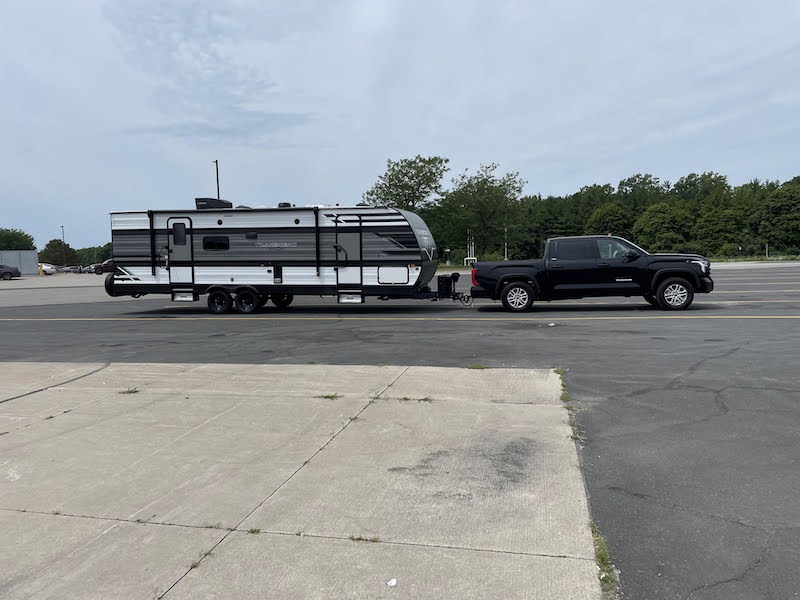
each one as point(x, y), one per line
point(517, 296)
point(675, 293)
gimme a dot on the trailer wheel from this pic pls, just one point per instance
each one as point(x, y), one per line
point(262, 300)
point(517, 296)
point(246, 301)
point(282, 300)
point(219, 301)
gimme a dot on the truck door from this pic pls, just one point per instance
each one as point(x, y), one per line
point(180, 259)
point(572, 267)
point(348, 259)
point(616, 273)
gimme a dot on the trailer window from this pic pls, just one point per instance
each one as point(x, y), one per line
point(179, 234)
point(216, 242)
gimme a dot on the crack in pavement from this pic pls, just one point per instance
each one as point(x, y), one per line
point(699, 513)
point(738, 578)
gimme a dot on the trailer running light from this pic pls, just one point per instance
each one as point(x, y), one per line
point(474, 281)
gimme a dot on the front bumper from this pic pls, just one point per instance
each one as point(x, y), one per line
point(706, 285)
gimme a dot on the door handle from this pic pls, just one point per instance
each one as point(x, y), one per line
point(556, 266)
point(603, 265)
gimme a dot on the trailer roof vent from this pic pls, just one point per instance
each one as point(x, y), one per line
point(284, 205)
point(209, 203)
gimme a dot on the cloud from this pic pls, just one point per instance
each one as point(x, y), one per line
point(124, 104)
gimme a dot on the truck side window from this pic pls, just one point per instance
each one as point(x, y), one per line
point(611, 248)
point(574, 250)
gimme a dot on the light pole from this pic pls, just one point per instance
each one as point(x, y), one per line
point(216, 164)
point(63, 247)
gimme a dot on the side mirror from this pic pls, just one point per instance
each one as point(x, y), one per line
point(630, 255)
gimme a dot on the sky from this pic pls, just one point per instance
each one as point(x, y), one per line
point(125, 104)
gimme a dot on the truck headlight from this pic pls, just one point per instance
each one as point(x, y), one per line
point(704, 265)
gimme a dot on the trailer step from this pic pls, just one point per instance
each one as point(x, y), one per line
point(183, 297)
point(350, 298)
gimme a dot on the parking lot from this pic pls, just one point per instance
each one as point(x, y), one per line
point(690, 421)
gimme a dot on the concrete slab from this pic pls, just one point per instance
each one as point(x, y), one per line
point(528, 386)
point(193, 460)
point(316, 568)
point(469, 496)
point(24, 377)
point(288, 380)
point(52, 557)
point(500, 477)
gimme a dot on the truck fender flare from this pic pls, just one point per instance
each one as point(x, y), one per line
point(506, 279)
point(662, 274)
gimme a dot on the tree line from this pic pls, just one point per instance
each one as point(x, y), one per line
point(55, 251)
point(699, 213)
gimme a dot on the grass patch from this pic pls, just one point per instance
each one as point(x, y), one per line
point(254, 530)
point(213, 526)
point(477, 367)
point(130, 391)
point(194, 565)
point(607, 571)
point(359, 538)
point(329, 396)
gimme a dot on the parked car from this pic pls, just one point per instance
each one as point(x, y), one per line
point(107, 266)
point(7, 272)
point(70, 269)
point(47, 268)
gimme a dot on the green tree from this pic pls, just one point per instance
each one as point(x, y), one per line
point(486, 206)
point(409, 183)
point(94, 254)
point(780, 221)
point(609, 218)
point(715, 229)
point(15, 239)
point(636, 193)
point(58, 253)
point(662, 228)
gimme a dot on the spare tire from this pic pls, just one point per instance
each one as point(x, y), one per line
point(109, 285)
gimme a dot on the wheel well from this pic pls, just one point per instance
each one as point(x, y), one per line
point(687, 275)
point(505, 280)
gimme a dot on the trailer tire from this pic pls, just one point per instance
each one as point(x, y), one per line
point(219, 301)
point(246, 301)
point(282, 300)
point(518, 296)
point(262, 300)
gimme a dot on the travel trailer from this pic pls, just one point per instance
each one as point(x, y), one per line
point(245, 257)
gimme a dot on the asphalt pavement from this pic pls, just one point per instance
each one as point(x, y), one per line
point(690, 420)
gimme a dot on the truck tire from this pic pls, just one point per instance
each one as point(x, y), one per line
point(517, 296)
point(219, 301)
point(652, 300)
point(282, 300)
point(246, 301)
point(675, 293)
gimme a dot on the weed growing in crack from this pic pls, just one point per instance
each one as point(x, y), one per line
point(329, 396)
point(607, 572)
point(132, 390)
point(359, 538)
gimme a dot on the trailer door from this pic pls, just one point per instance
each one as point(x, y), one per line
point(348, 258)
point(181, 259)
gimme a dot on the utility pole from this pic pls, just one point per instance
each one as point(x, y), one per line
point(63, 247)
point(216, 163)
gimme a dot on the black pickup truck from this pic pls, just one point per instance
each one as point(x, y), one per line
point(586, 266)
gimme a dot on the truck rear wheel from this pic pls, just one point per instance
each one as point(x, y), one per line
point(517, 296)
point(219, 301)
point(675, 293)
